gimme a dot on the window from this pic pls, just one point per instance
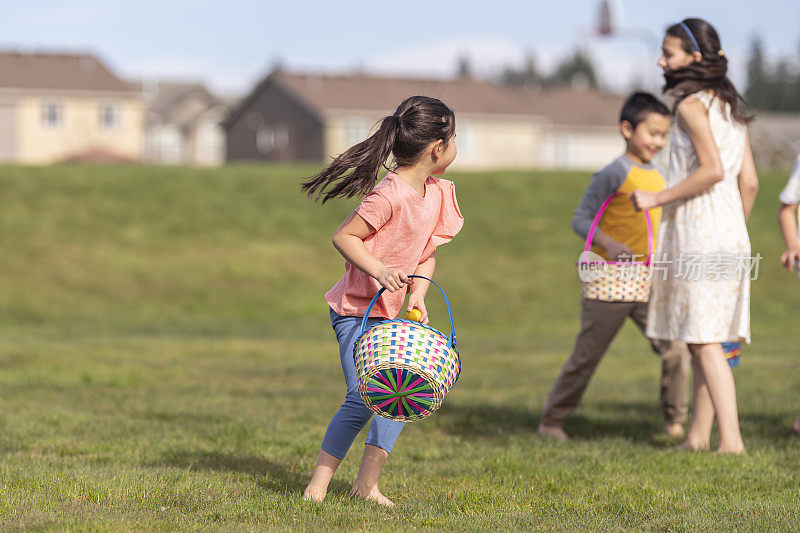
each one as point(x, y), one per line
point(51, 115)
point(565, 151)
point(210, 143)
point(109, 116)
point(166, 144)
point(272, 138)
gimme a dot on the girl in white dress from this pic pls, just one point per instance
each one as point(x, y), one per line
point(701, 283)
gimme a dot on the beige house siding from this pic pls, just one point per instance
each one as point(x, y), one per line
point(8, 129)
point(80, 130)
point(498, 142)
point(208, 142)
point(581, 148)
point(492, 141)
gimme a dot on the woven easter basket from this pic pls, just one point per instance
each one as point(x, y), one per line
point(616, 281)
point(405, 368)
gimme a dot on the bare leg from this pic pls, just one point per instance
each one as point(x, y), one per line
point(796, 426)
point(318, 486)
point(722, 389)
point(366, 484)
point(699, 437)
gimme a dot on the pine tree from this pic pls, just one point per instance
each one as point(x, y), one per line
point(774, 88)
point(756, 92)
point(576, 70)
point(528, 76)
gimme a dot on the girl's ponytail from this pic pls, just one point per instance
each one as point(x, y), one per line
point(365, 159)
point(418, 121)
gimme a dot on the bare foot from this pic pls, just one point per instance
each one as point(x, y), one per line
point(796, 426)
point(372, 495)
point(674, 430)
point(553, 432)
point(314, 494)
point(732, 450)
point(690, 445)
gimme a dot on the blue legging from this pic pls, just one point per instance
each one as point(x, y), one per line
point(353, 415)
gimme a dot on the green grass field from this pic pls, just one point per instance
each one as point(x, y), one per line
point(167, 362)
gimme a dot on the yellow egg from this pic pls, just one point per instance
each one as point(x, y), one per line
point(415, 315)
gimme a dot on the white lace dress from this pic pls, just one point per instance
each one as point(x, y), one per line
point(702, 268)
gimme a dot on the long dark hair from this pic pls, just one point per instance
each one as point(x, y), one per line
point(710, 73)
point(417, 122)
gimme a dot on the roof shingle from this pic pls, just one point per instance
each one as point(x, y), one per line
point(83, 72)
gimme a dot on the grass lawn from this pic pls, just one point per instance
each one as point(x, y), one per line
point(167, 362)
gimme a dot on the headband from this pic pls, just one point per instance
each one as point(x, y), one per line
point(689, 32)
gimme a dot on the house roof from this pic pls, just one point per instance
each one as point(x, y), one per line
point(60, 71)
point(167, 95)
point(183, 104)
point(561, 106)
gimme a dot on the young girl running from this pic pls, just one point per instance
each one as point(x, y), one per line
point(712, 186)
point(392, 233)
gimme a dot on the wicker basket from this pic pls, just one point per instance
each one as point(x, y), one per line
point(616, 281)
point(405, 368)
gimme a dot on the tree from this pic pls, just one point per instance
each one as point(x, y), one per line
point(756, 91)
point(575, 71)
point(527, 76)
point(772, 88)
point(464, 66)
point(783, 88)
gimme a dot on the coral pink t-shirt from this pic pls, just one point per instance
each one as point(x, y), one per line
point(408, 228)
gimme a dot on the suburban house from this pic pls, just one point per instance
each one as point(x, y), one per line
point(312, 117)
point(184, 124)
point(67, 107)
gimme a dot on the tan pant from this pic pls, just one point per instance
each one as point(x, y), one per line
point(600, 322)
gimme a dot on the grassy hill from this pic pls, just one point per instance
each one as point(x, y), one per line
point(166, 361)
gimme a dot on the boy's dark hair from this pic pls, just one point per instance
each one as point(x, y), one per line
point(710, 73)
point(638, 105)
point(417, 122)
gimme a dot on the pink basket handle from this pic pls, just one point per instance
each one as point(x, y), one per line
point(596, 223)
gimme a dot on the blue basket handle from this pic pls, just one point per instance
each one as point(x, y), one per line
point(451, 342)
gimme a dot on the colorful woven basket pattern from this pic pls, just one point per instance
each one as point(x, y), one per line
point(404, 369)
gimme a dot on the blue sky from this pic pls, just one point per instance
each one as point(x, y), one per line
point(230, 45)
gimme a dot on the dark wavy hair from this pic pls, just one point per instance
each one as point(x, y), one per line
point(710, 73)
point(417, 122)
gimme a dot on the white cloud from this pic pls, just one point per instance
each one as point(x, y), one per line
point(440, 58)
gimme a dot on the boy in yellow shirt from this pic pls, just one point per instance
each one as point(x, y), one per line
point(622, 233)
